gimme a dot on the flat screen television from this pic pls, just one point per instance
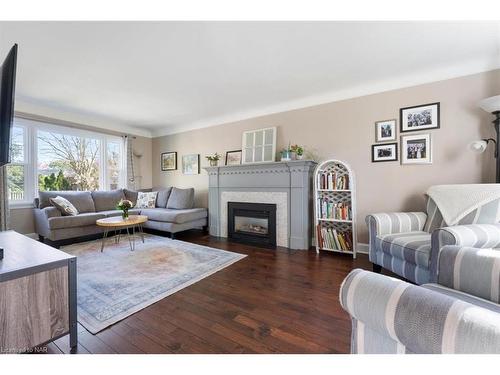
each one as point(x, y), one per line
point(7, 93)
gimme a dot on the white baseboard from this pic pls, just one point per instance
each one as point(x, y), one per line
point(362, 248)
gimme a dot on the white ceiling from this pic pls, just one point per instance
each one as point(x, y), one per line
point(155, 78)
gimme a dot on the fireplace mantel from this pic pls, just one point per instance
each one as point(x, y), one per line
point(293, 178)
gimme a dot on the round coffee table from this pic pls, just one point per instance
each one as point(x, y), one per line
point(117, 223)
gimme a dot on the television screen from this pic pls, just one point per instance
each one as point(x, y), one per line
point(7, 89)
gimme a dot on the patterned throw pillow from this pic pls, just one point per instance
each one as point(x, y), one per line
point(146, 200)
point(64, 205)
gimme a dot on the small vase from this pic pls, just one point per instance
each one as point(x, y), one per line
point(300, 157)
point(285, 156)
point(125, 214)
point(213, 163)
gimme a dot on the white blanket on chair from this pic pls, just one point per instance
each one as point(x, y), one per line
point(457, 201)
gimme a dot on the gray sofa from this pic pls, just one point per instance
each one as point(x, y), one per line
point(174, 212)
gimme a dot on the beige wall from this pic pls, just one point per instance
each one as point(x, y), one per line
point(22, 221)
point(143, 171)
point(345, 130)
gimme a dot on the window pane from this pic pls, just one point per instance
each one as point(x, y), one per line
point(67, 162)
point(259, 138)
point(114, 162)
point(249, 140)
point(248, 155)
point(258, 154)
point(268, 153)
point(15, 182)
point(269, 136)
point(17, 145)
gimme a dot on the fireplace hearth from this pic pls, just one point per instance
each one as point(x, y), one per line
point(252, 223)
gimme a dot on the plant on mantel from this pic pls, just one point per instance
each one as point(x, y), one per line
point(213, 159)
point(293, 152)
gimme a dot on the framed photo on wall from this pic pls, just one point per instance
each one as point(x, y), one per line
point(191, 164)
point(233, 157)
point(416, 149)
point(385, 131)
point(385, 152)
point(169, 161)
point(420, 117)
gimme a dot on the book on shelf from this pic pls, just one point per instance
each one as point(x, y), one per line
point(330, 238)
point(327, 209)
point(332, 181)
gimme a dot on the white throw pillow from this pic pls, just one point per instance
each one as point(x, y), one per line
point(146, 200)
point(64, 205)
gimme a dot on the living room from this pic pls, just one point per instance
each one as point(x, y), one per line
point(251, 187)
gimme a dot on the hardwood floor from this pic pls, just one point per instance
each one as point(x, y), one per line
point(272, 301)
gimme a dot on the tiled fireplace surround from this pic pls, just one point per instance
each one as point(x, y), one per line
point(286, 184)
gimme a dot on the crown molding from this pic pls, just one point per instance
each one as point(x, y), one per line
point(416, 79)
point(41, 112)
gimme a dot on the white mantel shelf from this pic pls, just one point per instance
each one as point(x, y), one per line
point(291, 177)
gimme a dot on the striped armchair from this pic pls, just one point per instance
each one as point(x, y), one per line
point(459, 314)
point(408, 243)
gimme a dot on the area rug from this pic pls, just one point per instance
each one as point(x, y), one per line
point(119, 282)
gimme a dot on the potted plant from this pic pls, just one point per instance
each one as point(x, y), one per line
point(124, 205)
point(299, 151)
point(213, 159)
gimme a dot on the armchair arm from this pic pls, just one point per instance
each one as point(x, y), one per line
point(471, 270)
point(419, 319)
point(394, 222)
point(472, 235)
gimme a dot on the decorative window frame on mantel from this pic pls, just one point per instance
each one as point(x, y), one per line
point(259, 146)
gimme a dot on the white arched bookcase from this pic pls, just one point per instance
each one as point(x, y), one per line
point(335, 207)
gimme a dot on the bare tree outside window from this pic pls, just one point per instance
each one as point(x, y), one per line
point(67, 162)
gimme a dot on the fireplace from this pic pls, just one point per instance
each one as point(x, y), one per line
point(252, 223)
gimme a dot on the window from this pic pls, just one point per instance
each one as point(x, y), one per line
point(62, 158)
point(16, 170)
point(259, 145)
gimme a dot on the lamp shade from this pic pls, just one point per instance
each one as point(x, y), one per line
point(491, 104)
point(478, 146)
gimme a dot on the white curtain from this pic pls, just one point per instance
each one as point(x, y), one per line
point(4, 201)
point(129, 140)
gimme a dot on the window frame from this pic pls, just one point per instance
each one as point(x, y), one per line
point(32, 128)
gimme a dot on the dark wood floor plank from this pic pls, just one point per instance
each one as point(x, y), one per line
point(272, 301)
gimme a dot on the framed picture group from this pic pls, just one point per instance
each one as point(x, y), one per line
point(414, 148)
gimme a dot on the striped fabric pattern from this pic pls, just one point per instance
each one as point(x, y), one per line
point(406, 254)
point(471, 270)
point(475, 235)
point(392, 316)
point(388, 223)
point(486, 214)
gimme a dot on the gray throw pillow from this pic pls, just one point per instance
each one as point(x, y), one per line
point(162, 197)
point(181, 199)
point(64, 205)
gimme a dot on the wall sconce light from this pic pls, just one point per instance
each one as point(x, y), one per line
point(491, 105)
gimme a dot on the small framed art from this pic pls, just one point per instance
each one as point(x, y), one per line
point(233, 157)
point(385, 152)
point(191, 164)
point(416, 149)
point(169, 161)
point(385, 131)
point(420, 117)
